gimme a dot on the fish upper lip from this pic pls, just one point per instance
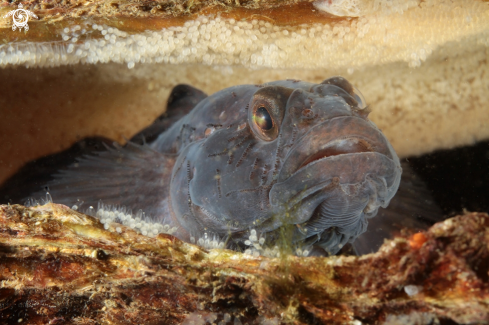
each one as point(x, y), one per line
point(333, 137)
point(338, 147)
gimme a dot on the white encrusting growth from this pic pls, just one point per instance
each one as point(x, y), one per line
point(350, 43)
point(209, 243)
point(145, 225)
point(302, 252)
point(110, 215)
point(257, 246)
point(31, 202)
point(255, 43)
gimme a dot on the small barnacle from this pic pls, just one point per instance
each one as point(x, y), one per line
point(412, 290)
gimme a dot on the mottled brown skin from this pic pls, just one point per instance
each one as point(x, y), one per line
point(58, 266)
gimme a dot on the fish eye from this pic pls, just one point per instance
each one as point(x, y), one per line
point(262, 118)
point(266, 111)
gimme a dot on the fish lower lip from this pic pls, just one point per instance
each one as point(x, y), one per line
point(347, 168)
point(338, 147)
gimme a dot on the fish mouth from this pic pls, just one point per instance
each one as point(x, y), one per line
point(334, 137)
point(342, 158)
point(338, 147)
point(345, 174)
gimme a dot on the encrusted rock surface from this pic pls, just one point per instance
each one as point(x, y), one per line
point(54, 11)
point(58, 266)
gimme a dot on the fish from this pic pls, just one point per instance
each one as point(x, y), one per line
point(243, 166)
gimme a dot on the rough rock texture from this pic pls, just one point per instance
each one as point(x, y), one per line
point(58, 266)
point(55, 9)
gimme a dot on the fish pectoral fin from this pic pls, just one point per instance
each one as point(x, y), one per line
point(134, 176)
point(37, 173)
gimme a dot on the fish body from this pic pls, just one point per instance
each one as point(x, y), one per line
point(251, 158)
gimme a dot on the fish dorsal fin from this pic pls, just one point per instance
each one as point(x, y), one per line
point(182, 99)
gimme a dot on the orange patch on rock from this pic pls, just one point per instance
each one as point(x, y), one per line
point(417, 240)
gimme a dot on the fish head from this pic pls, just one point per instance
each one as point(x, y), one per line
point(286, 153)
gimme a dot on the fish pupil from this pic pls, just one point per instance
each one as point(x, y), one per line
point(263, 119)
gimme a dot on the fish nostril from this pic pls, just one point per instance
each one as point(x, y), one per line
point(362, 103)
point(308, 113)
point(241, 126)
point(208, 131)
